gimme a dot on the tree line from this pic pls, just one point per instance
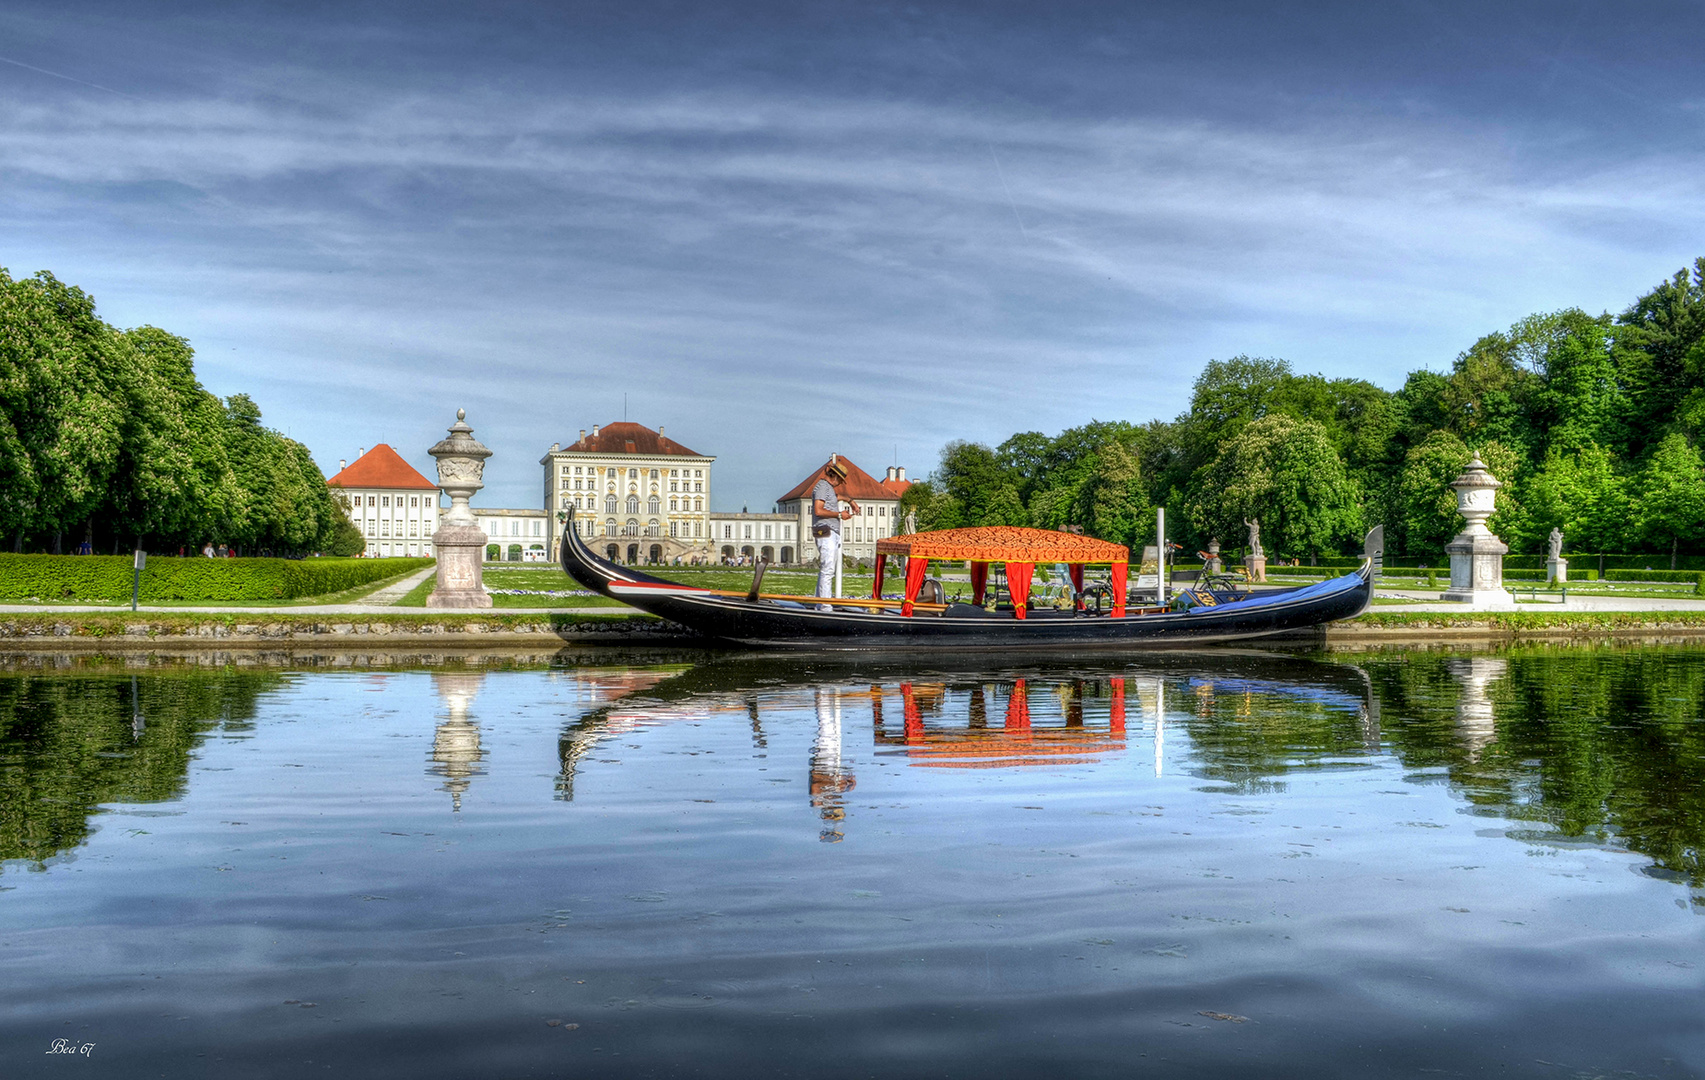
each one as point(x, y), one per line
point(107, 437)
point(1592, 423)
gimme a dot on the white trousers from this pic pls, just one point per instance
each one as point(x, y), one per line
point(828, 564)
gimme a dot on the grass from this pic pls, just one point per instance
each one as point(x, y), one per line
point(550, 578)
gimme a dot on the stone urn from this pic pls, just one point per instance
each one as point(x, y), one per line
point(459, 542)
point(456, 750)
point(1476, 556)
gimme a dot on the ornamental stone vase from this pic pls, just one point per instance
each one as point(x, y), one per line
point(459, 542)
point(1476, 556)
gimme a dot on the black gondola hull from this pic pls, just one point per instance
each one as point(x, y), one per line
point(767, 623)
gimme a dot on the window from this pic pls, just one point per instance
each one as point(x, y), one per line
point(881, 511)
point(698, 504)
point(385, 527)
point(652, 505)
point(633, 474)
point(747, 530)
point(633, 504)
point(673, 505)
point(728, 532)
point(414, 528)
point(698, 487)
point(576, 470)
point(384, 500)
point(654, 474)
point(787, 532)
point(609, 504)
point(769, 532)
point(671, 528)
point(698, 472)
point(370, 524)
point(565, 470)
point(565, 484)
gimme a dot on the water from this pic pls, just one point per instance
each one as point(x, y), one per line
point(1190, 865)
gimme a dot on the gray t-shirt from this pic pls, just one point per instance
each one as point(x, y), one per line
point(825, 491)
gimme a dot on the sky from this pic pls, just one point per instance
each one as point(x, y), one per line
point(781, 230)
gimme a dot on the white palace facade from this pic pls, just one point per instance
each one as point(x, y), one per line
point(638, 496)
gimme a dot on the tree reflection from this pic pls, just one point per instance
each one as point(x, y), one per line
point(71, 742)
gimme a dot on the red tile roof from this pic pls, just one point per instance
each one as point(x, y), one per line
point(381, 467)
point(625, 437)
point(896, 488)
point(859, 485)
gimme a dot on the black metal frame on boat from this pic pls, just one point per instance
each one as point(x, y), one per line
point(770, 621)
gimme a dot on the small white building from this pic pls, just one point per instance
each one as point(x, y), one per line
point(878, 509)
point(773, 538)
point(515, 535)
point(394, 506)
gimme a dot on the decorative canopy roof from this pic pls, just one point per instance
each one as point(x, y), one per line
point(1004, 543)
point(859, 484)
point(381, 467)
point(626, 437)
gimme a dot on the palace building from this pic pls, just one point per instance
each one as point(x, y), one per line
point(772, 538)
point(638, 496)
point(878, 503)
point(394, 506)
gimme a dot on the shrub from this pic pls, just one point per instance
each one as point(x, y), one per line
point(105, 577)
point(1687, 577)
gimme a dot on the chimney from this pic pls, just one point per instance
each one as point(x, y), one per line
point(361, 453)
point(899, 472)
point(594, 431)
point(582, 434)
point(659, 431)
point(342, 464)
point(555, 447)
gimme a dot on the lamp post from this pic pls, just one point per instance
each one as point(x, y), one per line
point(459, 543)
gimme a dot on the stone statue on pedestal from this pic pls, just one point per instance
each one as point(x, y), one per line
point(459, 543)
point(1256, 561)
point(1556, 566)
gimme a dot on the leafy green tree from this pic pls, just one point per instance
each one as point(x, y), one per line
point(1425, 503)
point(1111, 503)
point(1582, 492)
point(1669, 501)
point(1654, 340)
point(1285, 472)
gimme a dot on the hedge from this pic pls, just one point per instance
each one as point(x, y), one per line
point(106, 577)
point(1682, 577)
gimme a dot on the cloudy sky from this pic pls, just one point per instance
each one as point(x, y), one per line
point(786, 229)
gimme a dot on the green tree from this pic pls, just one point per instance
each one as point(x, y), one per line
point(1669, 501)
point(1581, 491)
point(1112, 503)
point(1285, 472)
point(1425, 503)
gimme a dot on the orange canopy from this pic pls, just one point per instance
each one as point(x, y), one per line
point(1004, 543)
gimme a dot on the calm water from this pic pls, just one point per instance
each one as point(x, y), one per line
point(1197, 865)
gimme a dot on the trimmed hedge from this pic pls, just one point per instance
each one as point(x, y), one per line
point(107, 577)
point(1679, 577)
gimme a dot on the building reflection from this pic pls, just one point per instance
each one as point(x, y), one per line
point(456, 750)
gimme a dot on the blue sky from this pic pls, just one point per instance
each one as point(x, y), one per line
point(782, 230)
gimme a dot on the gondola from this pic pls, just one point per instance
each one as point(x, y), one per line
point(766, 620)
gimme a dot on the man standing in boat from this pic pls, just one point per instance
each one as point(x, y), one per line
point(827, 513)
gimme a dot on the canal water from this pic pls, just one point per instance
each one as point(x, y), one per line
point(1192, 864)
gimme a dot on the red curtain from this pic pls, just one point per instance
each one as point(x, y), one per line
point(914, 718)
point(1018, 707)
point(1119, 571)
point(979, 582)
point(1018, 584)
point(915, 569)
point(1116, 711)
point(1076, 571)
point(876, 578)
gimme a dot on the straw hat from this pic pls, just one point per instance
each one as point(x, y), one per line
point(835, 470)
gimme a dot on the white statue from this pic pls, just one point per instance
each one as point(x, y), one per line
point(1255, 538)
point(1554, 544)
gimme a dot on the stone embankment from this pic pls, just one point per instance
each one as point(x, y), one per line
point(65, 631)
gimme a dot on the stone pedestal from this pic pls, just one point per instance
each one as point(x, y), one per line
point(1214, 565)
point(1257, 567)
point(460, 543)
point(1557, 570)
point(461, 558)
point(1476, 556)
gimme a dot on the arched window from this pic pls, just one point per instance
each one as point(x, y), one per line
point(610, 504)
point(610, 528)
point(653, 505)
point(632, 527)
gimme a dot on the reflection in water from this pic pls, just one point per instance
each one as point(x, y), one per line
point(947, 726)
point(829, 779)
point(1474, 711)
point(70, 742)
point(456, 752)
